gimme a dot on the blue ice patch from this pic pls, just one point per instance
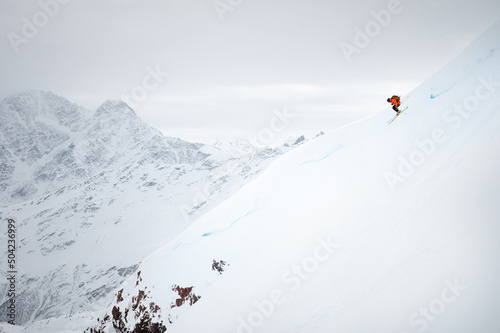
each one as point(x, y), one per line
point(328, 154)
point(218, 231)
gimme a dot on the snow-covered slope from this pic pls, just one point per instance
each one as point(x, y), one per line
point(93, 193)
point(372, 228)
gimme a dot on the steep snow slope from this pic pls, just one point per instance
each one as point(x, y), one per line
point(372, 228)
point(93, 193)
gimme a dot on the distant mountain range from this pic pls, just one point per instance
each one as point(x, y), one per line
point(94, 192)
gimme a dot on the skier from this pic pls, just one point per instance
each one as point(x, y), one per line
point(395, 100)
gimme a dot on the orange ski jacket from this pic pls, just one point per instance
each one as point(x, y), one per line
point(395, 101)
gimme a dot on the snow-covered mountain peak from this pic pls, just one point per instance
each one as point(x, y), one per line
point(114, 108)
point(237, 145)
point(35, 122)
point(42, 107)
point(115, 129)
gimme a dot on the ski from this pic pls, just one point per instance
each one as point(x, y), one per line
point(397, 115)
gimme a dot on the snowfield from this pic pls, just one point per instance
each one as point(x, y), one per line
point(371, 228)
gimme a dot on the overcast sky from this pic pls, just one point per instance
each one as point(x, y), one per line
point(199, 69)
